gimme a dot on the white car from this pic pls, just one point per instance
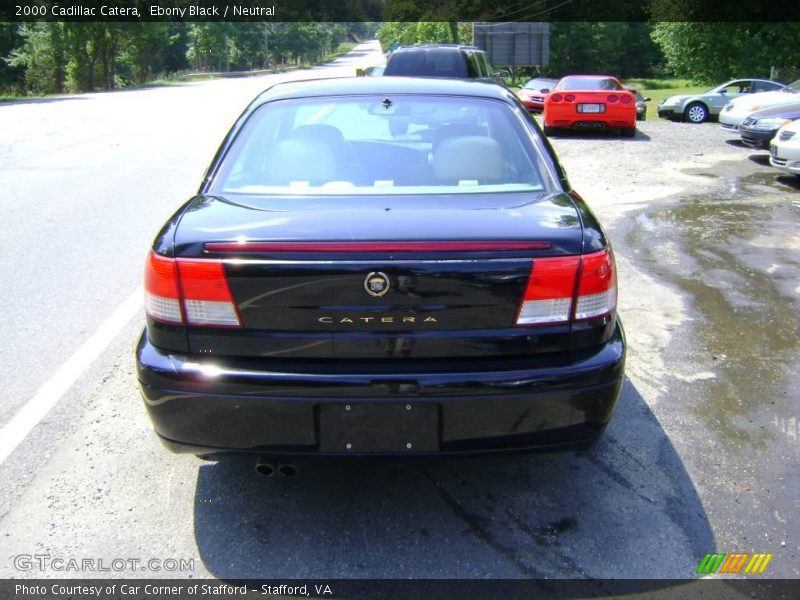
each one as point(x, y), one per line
point(784, 151)
point(740, 108)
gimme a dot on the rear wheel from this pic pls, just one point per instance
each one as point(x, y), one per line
point(696, 112)
point(628, 131)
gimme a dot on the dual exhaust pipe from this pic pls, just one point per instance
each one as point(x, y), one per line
point(267, 468)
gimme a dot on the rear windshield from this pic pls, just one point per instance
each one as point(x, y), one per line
point(587, 83)
point(381, 145)
point(435, 62)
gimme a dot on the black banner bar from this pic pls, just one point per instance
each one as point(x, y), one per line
point(382, 589)
point(493, 11)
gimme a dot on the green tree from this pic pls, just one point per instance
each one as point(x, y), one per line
point(422, 32)
point(41, 57)
point(711, 52)
point(613, 48)
point(10, 39)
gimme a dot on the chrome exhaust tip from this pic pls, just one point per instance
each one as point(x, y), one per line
point(264, 468)
point(287, 470)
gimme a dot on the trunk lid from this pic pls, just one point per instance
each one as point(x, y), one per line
point(385, 277)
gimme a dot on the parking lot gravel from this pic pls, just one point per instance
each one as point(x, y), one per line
point(708, 249)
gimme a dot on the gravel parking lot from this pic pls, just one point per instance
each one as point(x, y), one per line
point(708, 246)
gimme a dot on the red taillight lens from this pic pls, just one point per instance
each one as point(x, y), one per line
point(625, 99)
point(552, 295)
point(569, 98)
point(161, 295)
point(597, 291)
point(206, 295)
point(556, 97)
point(194, 288)
point(548, 296)
point(612, 98)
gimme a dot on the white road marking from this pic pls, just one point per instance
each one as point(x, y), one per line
point(35, 409)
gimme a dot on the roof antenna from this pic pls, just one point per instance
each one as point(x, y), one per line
point(386, 103)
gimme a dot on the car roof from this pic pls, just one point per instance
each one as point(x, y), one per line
point(368, 86)
point(589, 76)
point(433, 46)
point(751, 79)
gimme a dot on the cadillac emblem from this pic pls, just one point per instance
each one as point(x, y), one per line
point(377, 284)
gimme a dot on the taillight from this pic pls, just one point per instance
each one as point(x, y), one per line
point(562, 289)
point(569, 98)
point(206, 296)
point(548, 296)
point(626, 99)
point(612, 98)
point(161, 295)
point(556, 97)
point(597, 291)
point(192, 289)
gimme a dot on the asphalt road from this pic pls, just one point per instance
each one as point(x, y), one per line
point(701, 456)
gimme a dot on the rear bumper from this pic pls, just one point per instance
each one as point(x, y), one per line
point(590, 122)
point(203, 409)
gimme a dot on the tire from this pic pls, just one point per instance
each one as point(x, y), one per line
point(696, 113)
point(628, 132)
point(548, 131)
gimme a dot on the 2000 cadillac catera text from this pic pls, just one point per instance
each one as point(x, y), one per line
point(381, 266)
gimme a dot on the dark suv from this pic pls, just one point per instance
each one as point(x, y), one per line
point(443, 60)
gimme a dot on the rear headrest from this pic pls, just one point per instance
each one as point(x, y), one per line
point(324, 133)
point(468, 158)
point(456, 130)
point(309, 160)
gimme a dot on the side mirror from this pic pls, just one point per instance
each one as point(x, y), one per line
point(646, 99)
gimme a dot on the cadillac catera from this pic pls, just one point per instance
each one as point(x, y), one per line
point(389, 266)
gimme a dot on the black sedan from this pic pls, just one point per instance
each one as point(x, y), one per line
point(758, 129)
point(391, 266)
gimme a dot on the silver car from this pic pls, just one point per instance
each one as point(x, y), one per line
point(699, 108)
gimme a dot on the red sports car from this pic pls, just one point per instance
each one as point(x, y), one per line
point(590, 102)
